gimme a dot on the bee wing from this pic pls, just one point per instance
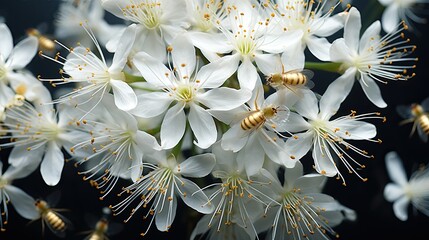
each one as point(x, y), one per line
point(425, 104)
point(281, 118)
point(404, 111)
point(310, 84)
point(308, 73)
point(423, 136)
point(59, 232)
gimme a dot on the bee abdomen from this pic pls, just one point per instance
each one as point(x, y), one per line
point(56, 222)
point(424, 123)
point(95, 236)
point(252, 121)
point(294, 78)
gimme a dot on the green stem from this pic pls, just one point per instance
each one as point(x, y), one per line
point(132, 79)
point(324, 66)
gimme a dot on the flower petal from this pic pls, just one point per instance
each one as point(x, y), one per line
point(22, 202)
point(296, 123)
point(247, 74)
point(194, 197)
point(326, 27)
point(311, 183)
point(340, 51)
point(372, 91)
point(393, 192)
point(307, 106)
point(164, 217)
point(400, 208)
point(390, 18)
point(275, 150)
point(210, 42)
point(125, 97)
point(153, 70)
point(371, 34)
point(136, 166)
point(319, 47)
point(234, 139)
point(252, 155)
point(277, 43)
point(324, 164)
point(214, 74)
point(183, 56)
point(6, 41)
point(23, 53)
point(197, 166)
point(151, 104)
point(299, 144)
point(352, 29)
point(335, 94)
point(268, 64)
point(224, 99)
point(350, 129)
point(292, 174)
point(173, 126)
point(395, 169)
point(125, 45)
point(52, 164)
point(203, 126)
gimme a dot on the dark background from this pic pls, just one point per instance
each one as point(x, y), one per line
point(375, 215)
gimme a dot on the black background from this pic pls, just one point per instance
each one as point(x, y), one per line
point(375, 215)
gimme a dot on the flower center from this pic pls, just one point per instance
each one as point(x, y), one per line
point(146, 13)
point(245, 44)
point(185, 93)
point(3, 71)
point(3, 183)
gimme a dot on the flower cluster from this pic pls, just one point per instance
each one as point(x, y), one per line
point(207, 100)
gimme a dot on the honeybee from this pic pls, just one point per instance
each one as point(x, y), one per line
point(293, 79)
point(45, 43)
point(419, 115)
point(103, 227)
point(57, 223)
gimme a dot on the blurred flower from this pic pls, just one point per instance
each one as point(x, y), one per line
point(402, 191)
point(370, 58)
point(21, 201)
point(400, 10)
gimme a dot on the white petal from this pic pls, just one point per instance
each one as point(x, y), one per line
point(136, 166)
point(146, 141)
point(124, 47)
point(277, 43)
point(203, 126)
point(275, 150)
point(22, 202)
point(211, 42)
point(393, 192)
point(52, 164)
point(197, 166)
point(247, 74)
point(294, 57)
point(390, 18)
point(319, 47)
point(356, 130)
point(311, 183)
point(400, 207)
point(21, 171)
point(395, 169)
point(299, 145)
point(153, 70)
point(324, 164)
point(151, 104)
point(371, 34)
point(115, 7)
point(329, 26)
point(292, 174)
point(194, 197)
point(372, 91)
point(154, 45)
point(165, 218)
point(20, 156)
point(234, 139)
point(125, 97)
point(183, 56)
point(352, 29)
point(252, 155)
point(173, 126)
point(214, 74)
point(335, 94)
point(296, 123)
point(385, 2)
point(6, 41)
point(339, 51)
point(307, 106)
point(23, 53)
point(224, 99)
point(268, 63)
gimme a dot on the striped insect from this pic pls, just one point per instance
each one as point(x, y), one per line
point(418, 114)
point(293, 79)
point(103, 227)
point(57, 223)
point(45, 43)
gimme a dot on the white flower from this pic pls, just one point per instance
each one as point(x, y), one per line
point(13, 78)
point(96, 78)
point(400, 10)
point(38, 134)
point(158, 22)
point(256, 129)
point(248, 35)
point(370, 58)
point(72, 13)
point(203, 14)
point(185, 85)
point(237, 199)
point(21, 201)
point(300, 210)
point(402, 191)
point(158, 189)
point(114, 147)
point(328, 138)
point(312, 21)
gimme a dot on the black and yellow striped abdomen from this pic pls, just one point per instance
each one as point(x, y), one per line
point(253, 121)
point(294, 78)
point(424, 123)
point(56, 222)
